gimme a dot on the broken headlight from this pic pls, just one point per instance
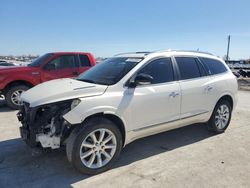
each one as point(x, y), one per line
point(74, 103)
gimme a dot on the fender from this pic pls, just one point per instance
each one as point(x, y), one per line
point(73, 116)
point(32, 80)
point(233, 96)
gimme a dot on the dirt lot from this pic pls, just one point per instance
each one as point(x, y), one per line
point(187, 157)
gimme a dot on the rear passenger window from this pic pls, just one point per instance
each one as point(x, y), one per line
point(160, 69)
point(202, 69)
point(188, 67)
point(214, 66)
point(84, 61)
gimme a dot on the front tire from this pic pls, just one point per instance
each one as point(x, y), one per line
point(13, 96)
point(95, 146)
point(221, 117)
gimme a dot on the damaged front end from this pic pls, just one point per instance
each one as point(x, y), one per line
point(45, 124)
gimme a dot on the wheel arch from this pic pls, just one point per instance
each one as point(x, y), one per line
point(115, 119)
point(228, 98)
point(17, 82)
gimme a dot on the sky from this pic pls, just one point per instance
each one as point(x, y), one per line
point(108, 27)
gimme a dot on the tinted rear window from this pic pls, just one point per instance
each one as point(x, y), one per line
point(188, 67)
point(202, 69)
point(84, 61)
point(214, 66)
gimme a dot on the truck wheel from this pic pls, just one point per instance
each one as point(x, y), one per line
point(93, 147)
point(221, 117)
point(12, 96)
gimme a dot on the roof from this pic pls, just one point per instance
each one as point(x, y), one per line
point(58, 53)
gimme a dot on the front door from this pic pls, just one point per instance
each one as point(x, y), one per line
point(63, 66)
point(158, 102)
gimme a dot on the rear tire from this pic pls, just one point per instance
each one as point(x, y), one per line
point(221, 117)
point(12, 96)
point(93, 157)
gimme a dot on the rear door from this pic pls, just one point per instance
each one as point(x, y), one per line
point(195, 83)
point(84, 63)
point(65, 66)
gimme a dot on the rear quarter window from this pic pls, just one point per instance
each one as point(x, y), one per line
point(214, 66)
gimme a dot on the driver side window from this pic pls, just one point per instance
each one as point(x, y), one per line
point(62, 62)
point(160, 69)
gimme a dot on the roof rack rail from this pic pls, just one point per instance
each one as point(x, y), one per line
point(146, 52)
point(195, 51)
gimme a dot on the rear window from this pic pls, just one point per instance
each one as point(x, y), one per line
point(84, 61)
point(202, 69)
point(188, 67)
point(214, 66)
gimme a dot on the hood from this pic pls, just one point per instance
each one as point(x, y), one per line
point(60, 90)
point(8, 69)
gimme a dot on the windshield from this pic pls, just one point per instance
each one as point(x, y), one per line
point(110, 71)
point(38, 61)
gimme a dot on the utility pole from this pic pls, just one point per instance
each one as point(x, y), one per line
point(228, 45)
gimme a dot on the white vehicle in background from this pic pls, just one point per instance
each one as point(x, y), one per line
point(127, 97)
point(6, 64)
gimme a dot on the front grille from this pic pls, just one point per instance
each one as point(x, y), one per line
point(37, 117)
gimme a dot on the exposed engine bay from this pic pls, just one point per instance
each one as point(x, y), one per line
point(45, 124)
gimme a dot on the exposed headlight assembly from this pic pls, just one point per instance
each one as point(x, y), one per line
point(74, 103)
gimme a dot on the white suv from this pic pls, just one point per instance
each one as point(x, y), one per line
point(127, 97)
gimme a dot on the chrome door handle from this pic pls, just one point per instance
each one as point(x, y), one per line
point(173, 94)
point(35, 73)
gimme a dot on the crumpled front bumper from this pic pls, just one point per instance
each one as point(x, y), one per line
point(40, 124)
point(26, 117)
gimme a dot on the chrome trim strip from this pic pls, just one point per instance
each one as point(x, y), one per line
point(155, 125)
point(195, 115)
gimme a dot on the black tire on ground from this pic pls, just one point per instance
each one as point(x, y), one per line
point(211, 123)
point(10, 92)
point(78, 135)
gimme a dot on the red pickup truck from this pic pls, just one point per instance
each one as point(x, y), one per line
point(15, 80)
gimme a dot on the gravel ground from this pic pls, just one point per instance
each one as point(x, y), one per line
point(187, 157)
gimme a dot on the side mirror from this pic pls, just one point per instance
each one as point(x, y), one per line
point(141, 79)
point(50, 67)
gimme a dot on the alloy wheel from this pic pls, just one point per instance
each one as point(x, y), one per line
point(98, 148)
point(222, 116)
point(15, 97)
